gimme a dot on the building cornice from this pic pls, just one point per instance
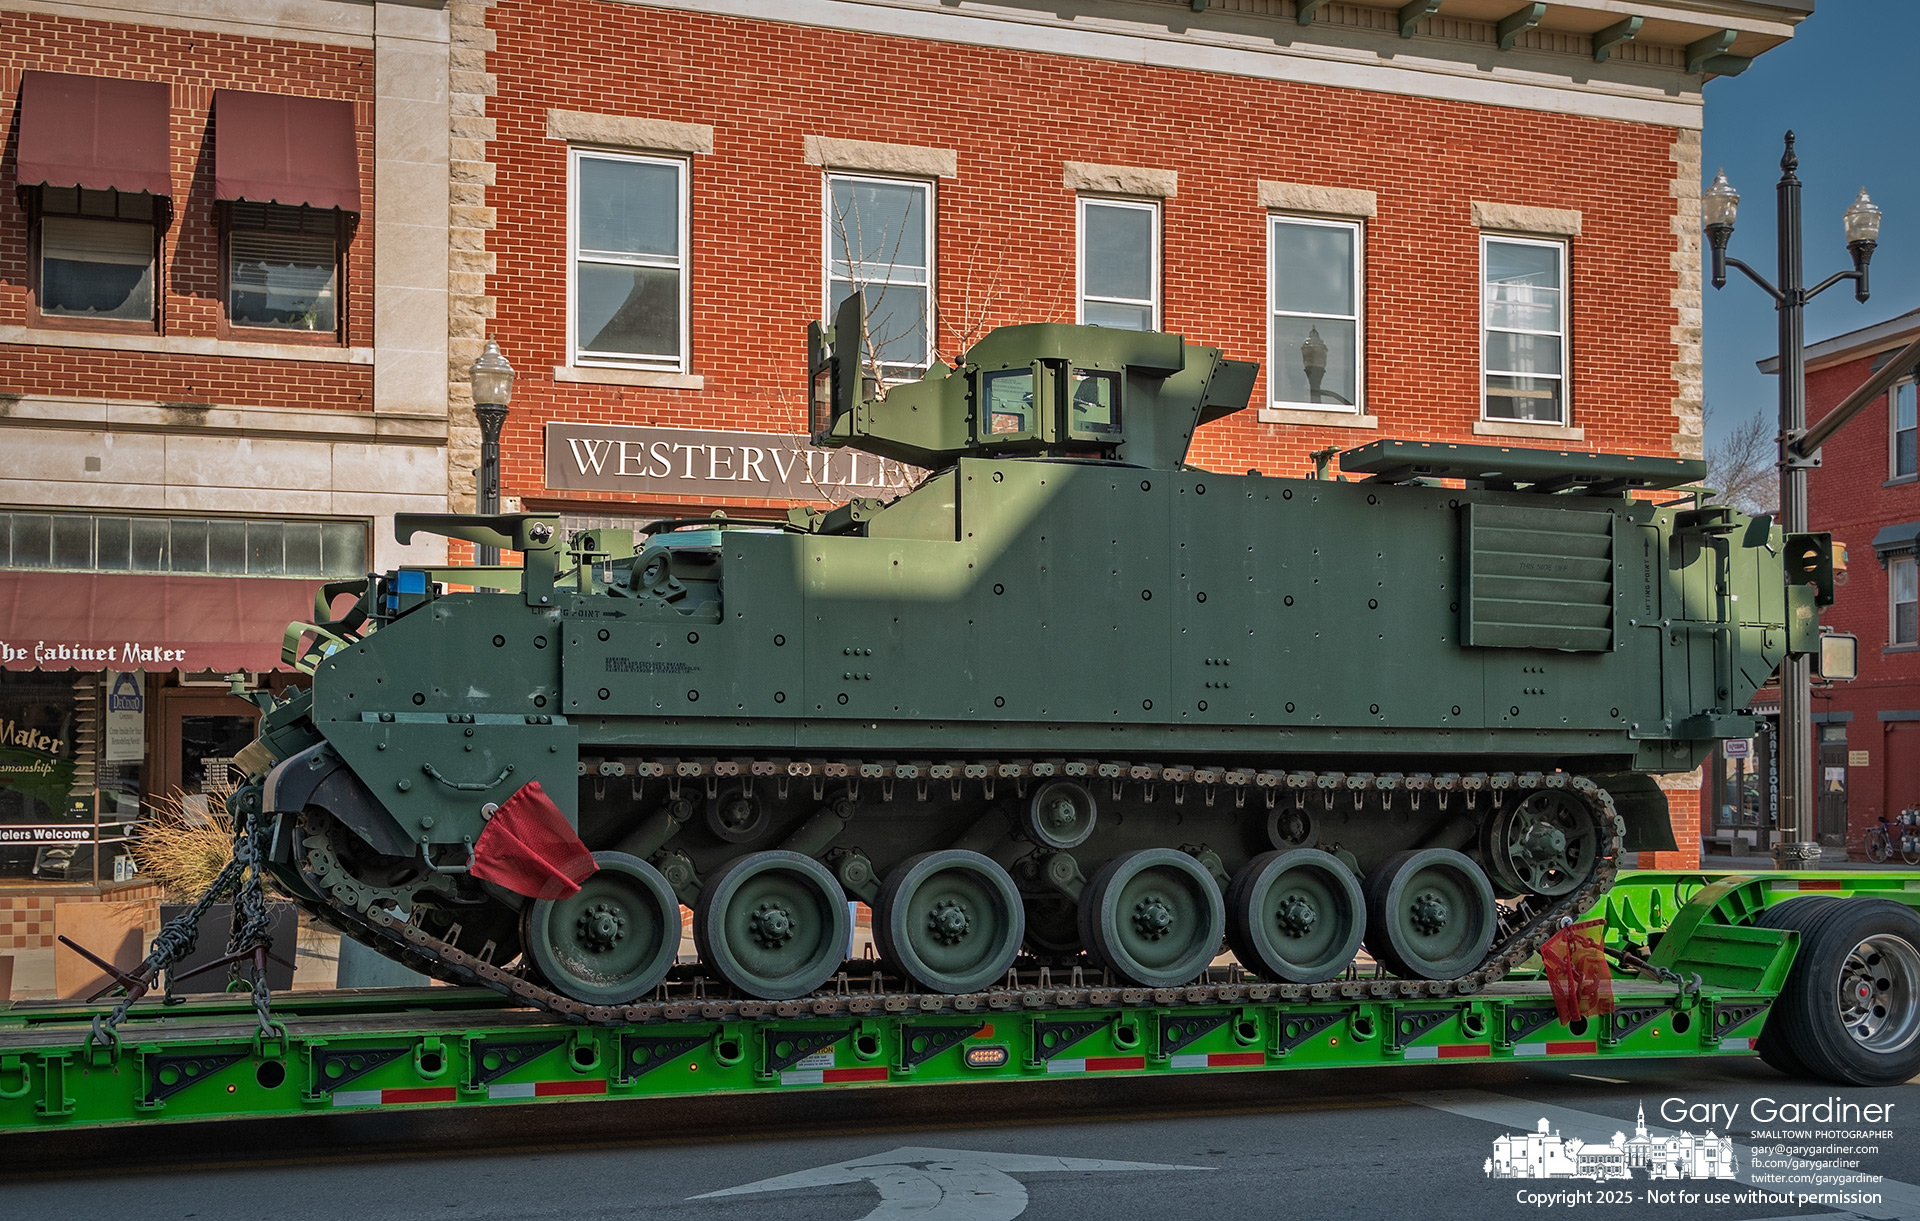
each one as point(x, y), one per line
point(352, 23)
point(1457, 54)
point(1895, 332)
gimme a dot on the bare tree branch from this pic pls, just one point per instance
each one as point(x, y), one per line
point(1742, 467)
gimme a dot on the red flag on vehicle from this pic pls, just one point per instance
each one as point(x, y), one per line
point(1575, 963)
point(528, 848)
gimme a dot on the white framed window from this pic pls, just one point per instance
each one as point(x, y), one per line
point(1902, 460)
point(96, 254)
point(878, 239)
point(627, 281)
point(1315, 296)
point(1119, 265)
point(1903, 601)
point(1523, 329)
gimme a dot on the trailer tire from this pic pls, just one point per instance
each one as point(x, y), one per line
point(1795, 916)
point(1850, 1011)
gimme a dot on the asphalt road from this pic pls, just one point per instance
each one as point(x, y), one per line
point(1409, 1143)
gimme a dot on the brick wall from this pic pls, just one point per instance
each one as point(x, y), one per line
point(1005, 229)
point(194, 63)
point(26, 917)
point(1850, 495)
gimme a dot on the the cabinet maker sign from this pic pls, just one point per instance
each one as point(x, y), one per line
point(719, 465)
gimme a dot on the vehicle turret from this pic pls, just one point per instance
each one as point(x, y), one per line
point(1038, 390)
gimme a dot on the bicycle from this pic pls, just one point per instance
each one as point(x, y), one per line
point(1879, 843)
point(1881, 840)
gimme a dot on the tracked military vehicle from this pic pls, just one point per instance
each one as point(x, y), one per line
point(1068, 698)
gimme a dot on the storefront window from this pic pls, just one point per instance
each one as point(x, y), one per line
point(55, 771)
point(207, 745)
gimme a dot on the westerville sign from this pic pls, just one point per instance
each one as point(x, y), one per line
point(699, 462)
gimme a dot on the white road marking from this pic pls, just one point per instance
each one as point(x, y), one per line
point(924, 1184)
point(1591, 1077)
point(1898, 1201)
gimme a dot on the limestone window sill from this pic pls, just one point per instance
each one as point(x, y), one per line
point(589, 375)
point(1317, 419)
point(185, 345)
point(1544, 432)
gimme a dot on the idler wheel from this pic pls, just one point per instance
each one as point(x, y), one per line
point(950, 921)
point(1542, 844)
point(1153, 917)
point(611, 941)
point(1430, 914)
point(1296, 917)
point(773, 924)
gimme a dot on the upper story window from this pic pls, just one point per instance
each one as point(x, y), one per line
point(287, 191)
point(1903, 462)
point(1315, 339)
point(96, 254)
point(628, 270)
point(1120, 264)
point(1523, 314)
point(879, 240)
point(1903, 598)
point(92, 160)
point(283, 267)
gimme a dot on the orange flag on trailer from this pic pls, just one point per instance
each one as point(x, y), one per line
point(1575, 963)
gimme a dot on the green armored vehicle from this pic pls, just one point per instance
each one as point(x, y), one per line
point(1068, 699)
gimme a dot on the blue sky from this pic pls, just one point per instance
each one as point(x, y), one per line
point(1845, 86)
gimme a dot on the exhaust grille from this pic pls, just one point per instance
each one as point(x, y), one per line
point(1539, 578)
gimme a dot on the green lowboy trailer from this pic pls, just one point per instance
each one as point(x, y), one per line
point(1816, 971)
point(1067, 710)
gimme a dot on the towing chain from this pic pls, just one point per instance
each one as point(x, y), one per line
point(376, 919)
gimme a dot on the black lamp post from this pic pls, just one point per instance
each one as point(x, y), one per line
point(1798, 845)
point(492, 379)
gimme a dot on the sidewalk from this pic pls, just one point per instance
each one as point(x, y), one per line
point(314, 966)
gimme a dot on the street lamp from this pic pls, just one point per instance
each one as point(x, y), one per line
point(492, 379)
point(1719, 205)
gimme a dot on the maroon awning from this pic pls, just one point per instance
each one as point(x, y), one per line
point(272, 148)
point(94, 132)
point(103, 621)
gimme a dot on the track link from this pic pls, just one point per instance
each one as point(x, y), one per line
point(375, 920)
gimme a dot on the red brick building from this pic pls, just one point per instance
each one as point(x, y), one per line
point(224, 321)
point(1432, 221)
point(1867, 492)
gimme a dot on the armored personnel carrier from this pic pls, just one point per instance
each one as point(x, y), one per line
point(1068, 698)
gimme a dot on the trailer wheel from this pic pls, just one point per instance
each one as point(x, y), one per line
point(1851, 1008)
point(1795, 915)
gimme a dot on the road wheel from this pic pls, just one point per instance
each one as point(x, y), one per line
point(950, 921)
point(1295, 917)
point(1430, 914)
point(611, 941)
point(773, 924)
point(1153, 917)
point(1851, 1008)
